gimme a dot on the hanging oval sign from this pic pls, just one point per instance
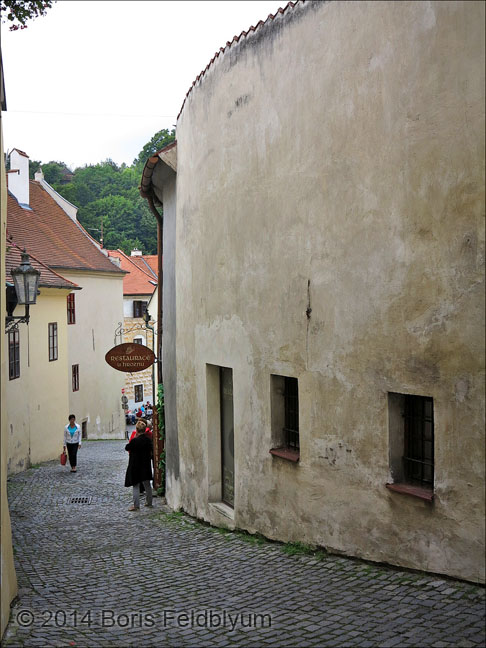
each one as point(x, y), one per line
point(130, 357)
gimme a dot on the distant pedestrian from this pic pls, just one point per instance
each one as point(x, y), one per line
point(72, 441)
point(139, 469)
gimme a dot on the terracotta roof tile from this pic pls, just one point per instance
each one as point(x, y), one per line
point(48, 278)
point(222, 50)
point(140, 278)
point(21, 152)
point(51, 235)
point(147, 263)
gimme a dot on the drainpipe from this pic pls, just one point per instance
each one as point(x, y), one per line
point(160, 278)
point(158, 444)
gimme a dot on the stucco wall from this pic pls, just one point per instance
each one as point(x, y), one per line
point(99, 310)
point(7, 573)
point(334, 160)
point(37, 401)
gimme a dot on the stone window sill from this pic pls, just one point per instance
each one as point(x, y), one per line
point(422, 493)
point(223, 509)
point(286, 453)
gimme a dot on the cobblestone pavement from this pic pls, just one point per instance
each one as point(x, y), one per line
point(93, 574)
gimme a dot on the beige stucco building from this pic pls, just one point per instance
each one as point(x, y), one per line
point(37, 379)
point(324, 297)
point(46, 224)
point(8, 577)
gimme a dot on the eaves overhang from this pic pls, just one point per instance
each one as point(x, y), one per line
point(168, 157)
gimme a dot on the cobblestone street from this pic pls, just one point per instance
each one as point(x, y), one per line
point(93, 574)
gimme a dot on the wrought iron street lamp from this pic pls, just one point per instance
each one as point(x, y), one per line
point(23, 291)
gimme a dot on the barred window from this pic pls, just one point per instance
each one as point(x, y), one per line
point(71, 309)
point(411, 444)
point(418, 457)
point(52, 341)
point(13, 354)
point(291, 428)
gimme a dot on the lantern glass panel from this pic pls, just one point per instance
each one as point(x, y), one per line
point(19, 288)
point(32, 288)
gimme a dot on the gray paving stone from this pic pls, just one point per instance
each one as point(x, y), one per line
point(150, 562)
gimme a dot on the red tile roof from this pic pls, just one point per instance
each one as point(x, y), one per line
point(21, 152)
point(51, 235)
point(147, 263)
point(140, 277)
point(289, 5)
point(48, 278)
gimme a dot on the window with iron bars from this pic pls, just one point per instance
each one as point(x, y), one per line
point(71, 309)
point(13, 354)
point(52, 341)
point(291, 427)
point(418, 457)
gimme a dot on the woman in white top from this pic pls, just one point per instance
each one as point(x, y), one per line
point(72, 440)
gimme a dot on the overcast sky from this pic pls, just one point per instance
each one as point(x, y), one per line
point(96, 80)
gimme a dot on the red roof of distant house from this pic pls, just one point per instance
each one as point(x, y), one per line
point(48, 278)
point(142, 278)
point(21, 152)
point(51, 235)
point(147, 263)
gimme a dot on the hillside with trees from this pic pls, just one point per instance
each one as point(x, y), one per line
point(108, 197)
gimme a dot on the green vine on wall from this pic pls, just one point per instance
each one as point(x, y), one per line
point(161, 425)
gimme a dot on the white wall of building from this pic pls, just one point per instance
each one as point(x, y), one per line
point(99, 310)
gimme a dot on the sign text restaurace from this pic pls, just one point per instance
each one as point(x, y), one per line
point(129, 361)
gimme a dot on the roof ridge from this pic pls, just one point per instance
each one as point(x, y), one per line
point(134, 264)
point(149, 268)
point(289, 5)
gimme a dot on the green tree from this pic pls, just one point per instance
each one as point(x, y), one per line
point(107, 193)
point(158, 141)
point(18, 12)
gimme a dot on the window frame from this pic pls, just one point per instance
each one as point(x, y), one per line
point(415, 456)
point(284, 406)
point(75, 377)
point(139, 308)
point(135, 389)
point(411, 444)
point(13, 354)
point(71, 308)
point(53, 341)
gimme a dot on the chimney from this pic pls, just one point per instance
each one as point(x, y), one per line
point(39, 175)
point(18, 177)
point(136, 252)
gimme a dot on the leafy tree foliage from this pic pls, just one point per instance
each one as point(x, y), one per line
point(158, 141)
point(18, 12)
point(107, 194)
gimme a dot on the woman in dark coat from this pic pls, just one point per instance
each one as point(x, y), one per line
point(139, 469)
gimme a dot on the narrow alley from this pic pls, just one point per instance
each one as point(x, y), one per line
point(93, 574)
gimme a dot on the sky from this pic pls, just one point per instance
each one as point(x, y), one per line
point(93, 80)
